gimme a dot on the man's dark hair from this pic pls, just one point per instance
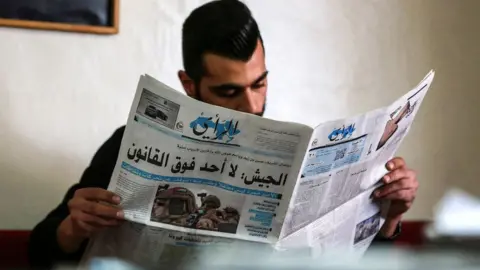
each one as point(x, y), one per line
point(222, 27)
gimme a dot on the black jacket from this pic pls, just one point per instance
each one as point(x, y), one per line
point(44, 251)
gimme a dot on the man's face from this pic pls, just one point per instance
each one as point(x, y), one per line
point(232, 84)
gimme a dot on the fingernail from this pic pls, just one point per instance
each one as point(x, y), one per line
point(120, 214)
point(117, 199)
point(390, 166)
point(386, 179)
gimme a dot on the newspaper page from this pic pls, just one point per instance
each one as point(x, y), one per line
point(332, 206)
point(158, 248)
point(196, 179)
point(187, 166)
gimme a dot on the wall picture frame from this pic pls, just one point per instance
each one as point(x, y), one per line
point(82, 16)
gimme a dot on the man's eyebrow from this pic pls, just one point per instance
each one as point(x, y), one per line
point(261, 78)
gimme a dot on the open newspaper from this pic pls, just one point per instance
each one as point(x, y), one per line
point(192, 174)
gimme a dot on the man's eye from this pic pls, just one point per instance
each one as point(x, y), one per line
point(228, 93)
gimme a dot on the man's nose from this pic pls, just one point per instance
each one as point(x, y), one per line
point(251, 102)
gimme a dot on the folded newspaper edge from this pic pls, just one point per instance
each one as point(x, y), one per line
point(197, 174)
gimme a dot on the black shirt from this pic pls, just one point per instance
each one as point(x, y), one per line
point(44, 250)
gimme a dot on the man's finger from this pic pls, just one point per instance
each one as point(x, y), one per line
point(86, 228)
point(94, 220)
point(395, 163)
point(406, 195)
point(392, 187)
point(98, 194)
point(398, 174)
point(97, 209)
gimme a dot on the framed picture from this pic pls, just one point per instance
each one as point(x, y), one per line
point(86, 16)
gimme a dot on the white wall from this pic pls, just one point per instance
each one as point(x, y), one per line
point(63, 94)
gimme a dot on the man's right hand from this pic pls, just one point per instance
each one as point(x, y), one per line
point(91, 209)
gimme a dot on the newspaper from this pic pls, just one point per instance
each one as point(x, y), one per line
point(194, 175)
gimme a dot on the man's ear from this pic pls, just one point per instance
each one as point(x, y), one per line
point(187, 83)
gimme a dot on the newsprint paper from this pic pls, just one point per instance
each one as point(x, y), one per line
point(195, 177)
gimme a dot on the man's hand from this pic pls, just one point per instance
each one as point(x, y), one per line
point(400, 189)
point(91, 209)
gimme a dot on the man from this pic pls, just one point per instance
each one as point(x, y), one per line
point(224, 61)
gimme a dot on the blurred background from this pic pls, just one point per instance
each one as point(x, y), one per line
point(62, 94)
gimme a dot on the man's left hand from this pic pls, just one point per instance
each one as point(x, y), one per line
point(400, 189)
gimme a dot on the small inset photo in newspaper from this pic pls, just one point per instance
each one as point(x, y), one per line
point(367, 228)
point(391, 126)
point(158, 109)
point(188, 208)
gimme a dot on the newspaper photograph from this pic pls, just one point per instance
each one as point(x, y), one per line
point(186, 167)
